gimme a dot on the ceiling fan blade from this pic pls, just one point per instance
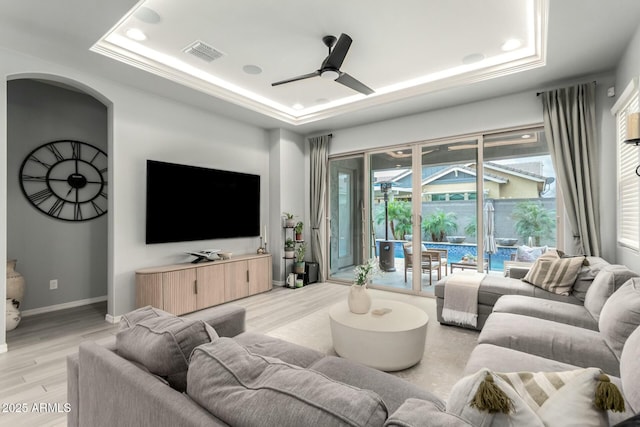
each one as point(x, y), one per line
point(339, 51)
point(295, 79)
point(354, 84)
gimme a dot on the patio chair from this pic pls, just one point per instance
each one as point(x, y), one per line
point(443, 258)
point(430, 261)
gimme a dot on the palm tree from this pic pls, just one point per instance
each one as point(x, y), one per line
point(438, 224)
point(533, 220)
point(399, 213)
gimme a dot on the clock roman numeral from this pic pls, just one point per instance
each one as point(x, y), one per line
point(54, 150)
point(75, 150)
point(98, 209)
point(34, 178)
point(77, 212)
point(40, 196)
point(33, 158)
point(56, 209)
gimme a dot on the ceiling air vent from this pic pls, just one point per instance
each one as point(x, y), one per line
point(203, 51)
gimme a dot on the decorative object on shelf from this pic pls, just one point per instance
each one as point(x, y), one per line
point(15, 282)
point(13, 314)
point(299, 283)
point(205, 255)
point(262, 249)
point(291, 280)
point(298, 229)
point(66, 180)
point(298, 266)
point(289, 248)
point(359, 299)
point(289, 220)
point(225, 255)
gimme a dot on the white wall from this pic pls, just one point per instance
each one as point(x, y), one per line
point(143, 126)
point(628, 69)
point(74, 253)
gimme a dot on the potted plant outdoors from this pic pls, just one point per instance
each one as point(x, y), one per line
point(359, 300)
point(298, 231)
point(533, 220)
point(298, 265)
point(438, 224)
point(289, 248)
point(288, 219)
point(399, 215)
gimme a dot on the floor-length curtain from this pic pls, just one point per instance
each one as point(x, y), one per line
point(570, 128)
point(319, 165)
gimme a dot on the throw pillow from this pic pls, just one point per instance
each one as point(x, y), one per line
point(245, 389)
point(136, 316)
point(163, 345)
point(529, 254)
point(553, 273)
point(620, 315)
point(578, 397)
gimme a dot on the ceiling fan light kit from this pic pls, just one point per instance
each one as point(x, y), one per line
point(330, 68)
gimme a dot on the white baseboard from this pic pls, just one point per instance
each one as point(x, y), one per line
point(3, 348)
point(62, 306)
point(111, 319)
point(277, 283)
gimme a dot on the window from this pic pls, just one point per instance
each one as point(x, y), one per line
point(628, 161)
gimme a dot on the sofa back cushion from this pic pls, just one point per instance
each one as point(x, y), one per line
point(136, 316)
point(163, 345)
point(606, 282)
point(630, 371)
point(245, 389)
point(620, 315)
point(587, 274)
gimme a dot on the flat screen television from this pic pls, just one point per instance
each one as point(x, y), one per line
point(187, 203)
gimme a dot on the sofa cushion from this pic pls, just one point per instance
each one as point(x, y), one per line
point(286, 351)
point(570, 314)
point(393, 390)
point(606, 282)
point(163, 345)
point(538, 398)
point(499, 358)
point(587, 274)
point(419, 413)
point(526, 253)
point(138, 315)
point(630, 371)
point(620, 315)
point(246, 389)
point(565, 343)
point(553, 273)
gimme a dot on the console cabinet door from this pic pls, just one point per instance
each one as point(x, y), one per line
point(237, 280)
point(259, 275)
point(179, 291)
point(211, 286)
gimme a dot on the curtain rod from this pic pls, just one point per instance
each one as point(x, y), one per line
point(540, 93)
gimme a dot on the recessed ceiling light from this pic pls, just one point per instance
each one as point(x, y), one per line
point(473, 58)
point(297, 106)
point(147, 15)
point(252, 69)
point(398, 152)
point(511, 44)
point(136, 34)
point(526, 136)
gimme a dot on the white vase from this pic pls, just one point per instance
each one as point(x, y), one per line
point(15, 282)
point(13, 315)
point(359, 299)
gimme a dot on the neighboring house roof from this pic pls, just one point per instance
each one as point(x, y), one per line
point(464, 170)
point(521, 172)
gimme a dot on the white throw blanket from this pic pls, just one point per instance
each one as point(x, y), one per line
point(461, 298)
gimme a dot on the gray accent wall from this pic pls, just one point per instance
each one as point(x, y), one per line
point(74, 253)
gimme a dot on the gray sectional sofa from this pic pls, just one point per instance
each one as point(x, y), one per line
point(221, 386)
point(493, 287)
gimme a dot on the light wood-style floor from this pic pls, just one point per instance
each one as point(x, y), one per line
point(33, 371)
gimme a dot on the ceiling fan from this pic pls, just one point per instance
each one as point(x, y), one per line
point(330, 68)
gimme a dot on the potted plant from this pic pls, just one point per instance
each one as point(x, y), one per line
point(399, 215)
point(289, 248)
point(438, 224)
point(288, 219)
point(298, 265)
point(359, 300)
point(298, 230)
point(533, 220)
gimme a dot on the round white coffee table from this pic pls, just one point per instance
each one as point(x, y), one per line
point(389, 342)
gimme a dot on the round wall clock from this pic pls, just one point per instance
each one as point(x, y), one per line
point(66, 180)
